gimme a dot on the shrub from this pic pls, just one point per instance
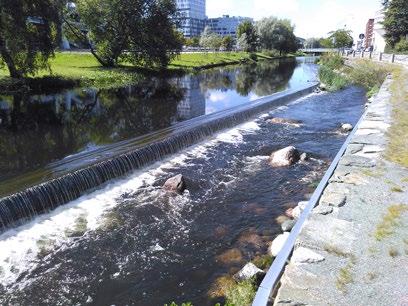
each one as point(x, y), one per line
point(242, 294)
point(271, 53)
point(402, 45)
point(333, 80)
point(368, 74)
point(332, 61)
point(253, 57)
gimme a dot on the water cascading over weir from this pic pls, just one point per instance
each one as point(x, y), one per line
point(75, 176)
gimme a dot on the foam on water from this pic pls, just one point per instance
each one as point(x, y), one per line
point(20, 247)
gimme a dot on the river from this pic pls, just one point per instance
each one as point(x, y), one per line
point(128, 242)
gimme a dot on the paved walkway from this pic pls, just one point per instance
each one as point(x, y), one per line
point(353, 250)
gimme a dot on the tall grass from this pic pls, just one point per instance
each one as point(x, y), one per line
point(330, 72)
point(369, 75)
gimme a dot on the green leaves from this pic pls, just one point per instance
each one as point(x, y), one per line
point(341, 38)
point(395, 21)
point(276, 34)
point(140, 31)
point(29, 33)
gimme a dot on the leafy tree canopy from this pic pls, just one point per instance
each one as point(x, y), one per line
point(29, 33)
point(142, 31)
point(277, 34)
point(395, 21)
point(341, 38)
point(250, 41)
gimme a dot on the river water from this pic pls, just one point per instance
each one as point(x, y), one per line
point(129, 243)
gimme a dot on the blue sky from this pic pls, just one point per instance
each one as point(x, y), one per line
point(313, 18)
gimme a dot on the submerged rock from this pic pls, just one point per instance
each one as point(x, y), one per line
point(232, 256)
point(347, 127)
point(284, 121)
point(249, 271)
point(175, 184)
point(284, 157)
point(277, 244)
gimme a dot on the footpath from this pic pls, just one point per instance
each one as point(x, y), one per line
point(353, 249)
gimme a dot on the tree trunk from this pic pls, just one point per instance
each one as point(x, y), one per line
point(14, 73)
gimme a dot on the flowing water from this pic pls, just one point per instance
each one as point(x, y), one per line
point(129, 243)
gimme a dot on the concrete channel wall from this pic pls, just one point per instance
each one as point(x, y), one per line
point(331, 247)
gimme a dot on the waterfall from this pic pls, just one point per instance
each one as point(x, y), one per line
point(17, 208)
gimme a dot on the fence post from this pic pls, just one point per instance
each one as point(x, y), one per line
point(362, 54)
point(354, 53)
point(380, 57)
point(393, 58)
point(371, 54)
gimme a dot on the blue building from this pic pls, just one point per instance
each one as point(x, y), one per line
point(226, 25)
point(192, 17)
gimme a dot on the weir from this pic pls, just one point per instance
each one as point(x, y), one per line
point(79, 174)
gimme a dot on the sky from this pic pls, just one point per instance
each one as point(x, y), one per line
point(313, 18)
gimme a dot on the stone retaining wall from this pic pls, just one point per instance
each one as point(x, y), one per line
point(338, 258)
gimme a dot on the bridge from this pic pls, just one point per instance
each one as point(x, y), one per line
point(318, 50)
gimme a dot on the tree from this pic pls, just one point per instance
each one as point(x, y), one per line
point(277, 34)
point(143, 31)
point(326, 43)
point(395, 21)
point(250, 40)
point(228, 43)
point(28, 34)
point(313, 43)
point(341, 38)
point(210, 40)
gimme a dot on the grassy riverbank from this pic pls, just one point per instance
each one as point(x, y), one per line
point(336, 75)
point(397, 150)
point(82, 69)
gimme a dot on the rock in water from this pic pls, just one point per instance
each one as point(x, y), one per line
point(277, 244)
point(304, 157)
point(347, 127)
point(288, 225)
point(248, 272)
point(175, 184)
point(285, 121)
point(285, 157)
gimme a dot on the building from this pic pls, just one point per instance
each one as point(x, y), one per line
point(369, 33)
point(378, 40)
point(191, 17)
point(226, 25)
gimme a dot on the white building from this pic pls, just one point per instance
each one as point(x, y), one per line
point(378, 41)
point(226, 25)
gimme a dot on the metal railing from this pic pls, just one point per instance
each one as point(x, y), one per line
point(270, 283)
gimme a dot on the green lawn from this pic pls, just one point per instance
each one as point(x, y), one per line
point(84, 68)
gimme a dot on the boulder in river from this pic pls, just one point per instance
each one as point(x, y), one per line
point(346, 127)
point(288, 225)
point(304, 157)
point(249, 271)
point(277, 120)
point(277, 244)
point(285, 157)
point(175, 184)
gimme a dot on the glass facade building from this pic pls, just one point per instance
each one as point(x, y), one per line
point(226, 25)
point(191, 17)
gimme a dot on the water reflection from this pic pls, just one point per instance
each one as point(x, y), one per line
point(37, 130)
